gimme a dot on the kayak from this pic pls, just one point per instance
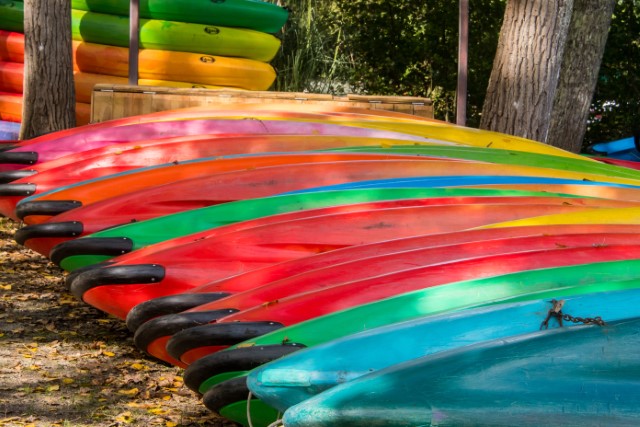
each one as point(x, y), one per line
point(580, 279)
point(156, 34)
point(113, 159)
point(361, 281)
point(429, 129)
point(333, 294)
point(505, 157)
point(214, 290)
point(186, 194)
point(254, 14)
point(43, 149)
point(623, 149)
point(11, 109)
point(155, 66)
point(565, 376)
point(13, 76)
point(288, 381)
point(9, 132)
point(179, 208)
point(154, 273)
point(183, 226)
point(38, 208)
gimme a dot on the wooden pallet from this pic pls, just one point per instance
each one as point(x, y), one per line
point(116, 101)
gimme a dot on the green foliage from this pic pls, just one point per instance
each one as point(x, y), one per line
point(616, 102)
point(401, 47)
point(387, 47)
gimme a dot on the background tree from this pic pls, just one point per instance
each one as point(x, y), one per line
point(49, 93)
point(526, 67)
point(590, 22)
point(351, 48)
point(615, 109)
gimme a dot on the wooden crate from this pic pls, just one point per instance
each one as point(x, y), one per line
point(116, 101)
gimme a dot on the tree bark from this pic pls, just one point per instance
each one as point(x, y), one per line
point(590, 23)
point(49, 93)
point(526, 68)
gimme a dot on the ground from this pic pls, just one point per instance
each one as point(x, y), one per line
point(64, 363)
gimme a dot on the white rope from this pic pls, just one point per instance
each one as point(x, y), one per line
point(276, 423)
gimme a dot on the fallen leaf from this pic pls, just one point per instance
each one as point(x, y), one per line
point(130, 392)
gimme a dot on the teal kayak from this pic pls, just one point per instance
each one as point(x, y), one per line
point(584, 376)
point(254, 14)
point(522, 286)
point(300, 376)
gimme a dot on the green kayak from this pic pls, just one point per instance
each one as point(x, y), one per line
point(156, 34)
point(254, 14)
point(166, 227)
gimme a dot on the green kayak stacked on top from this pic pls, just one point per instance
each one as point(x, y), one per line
point(253, 14)
point(157, 34)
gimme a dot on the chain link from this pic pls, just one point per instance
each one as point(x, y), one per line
point(556, 312)
point(586, 320)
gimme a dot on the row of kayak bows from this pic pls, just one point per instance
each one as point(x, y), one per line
point(339, 266)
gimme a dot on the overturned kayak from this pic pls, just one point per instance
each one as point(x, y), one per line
point(291, 380)
point(351, 283)
point(99, 162)
point(283, 271)
point(212, 255)
point(565, 376)
point(211, 377)
point(38, 208)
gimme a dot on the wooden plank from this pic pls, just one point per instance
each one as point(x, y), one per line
point(116, 101)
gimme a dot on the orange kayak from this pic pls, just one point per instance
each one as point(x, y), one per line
point(196, 69)
point(11, 109)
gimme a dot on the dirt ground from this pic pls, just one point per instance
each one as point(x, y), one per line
point(64, 363)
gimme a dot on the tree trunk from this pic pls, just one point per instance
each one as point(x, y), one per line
point(585, 45)
point(49, 93)
point(526, 68)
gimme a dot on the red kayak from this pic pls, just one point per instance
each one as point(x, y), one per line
point(100, 162)
point(180, 195)
point(40, 208)
point(153, 335)
point(150, 273)
point(260, 277)
point(194, 343)
point(60, 144)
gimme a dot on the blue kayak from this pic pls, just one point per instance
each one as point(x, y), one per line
point(306, 373)
point(623, 149)
point(9, 131)
point(460, 181)
point(583, 376)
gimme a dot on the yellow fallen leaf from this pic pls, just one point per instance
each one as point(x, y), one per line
point(138, 366)
point(157, 411)
point(68, 380)
point(130, 392)
point(108, 353)
point(170, 424)
point(5, 287)
point(54, 387)
point(125, 417)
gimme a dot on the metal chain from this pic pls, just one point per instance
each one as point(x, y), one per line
point(586, 320)
point(556, 312)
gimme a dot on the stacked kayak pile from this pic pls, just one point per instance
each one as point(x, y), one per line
point(338, 266)
point(201, 43)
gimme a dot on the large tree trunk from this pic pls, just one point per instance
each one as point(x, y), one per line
point(49, 94)
point(583, 52)
point(526, 68)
